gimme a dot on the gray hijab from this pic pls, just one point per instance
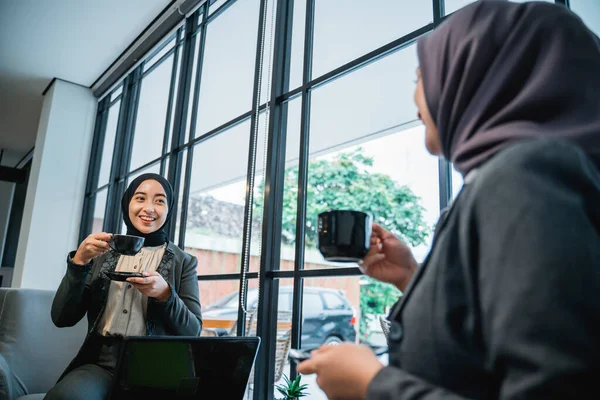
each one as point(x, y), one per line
point(497, 72)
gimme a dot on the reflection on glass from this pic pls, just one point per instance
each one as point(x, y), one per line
point(151, 115)
point(367, 153)
point(453, 5)
point(589, 11)
point(228, 70)
point(99, 210)
point(215, 215)
point(109, 143)
point(347, 29)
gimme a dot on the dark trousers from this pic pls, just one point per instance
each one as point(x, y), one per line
point(90, 381)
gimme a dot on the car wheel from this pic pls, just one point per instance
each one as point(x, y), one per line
point(333, 341)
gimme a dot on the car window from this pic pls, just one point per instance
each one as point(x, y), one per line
point(311, 304)
point(334, 302)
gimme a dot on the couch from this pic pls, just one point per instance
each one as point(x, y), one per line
point(33, 352)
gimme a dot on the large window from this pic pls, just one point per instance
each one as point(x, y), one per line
point(334, 126)
point(453, 5)
point(589, 11)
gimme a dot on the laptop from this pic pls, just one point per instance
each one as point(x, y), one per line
point(179, 367)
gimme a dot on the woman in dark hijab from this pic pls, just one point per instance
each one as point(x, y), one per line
point(504, 305)
point(165, 301)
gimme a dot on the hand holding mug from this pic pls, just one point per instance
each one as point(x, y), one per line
point(91, 247)
point(389, 259)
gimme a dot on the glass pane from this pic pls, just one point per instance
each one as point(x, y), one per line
point(215, 218)
point(321, 325)
point(347, 29)
point(259, 188)
point(589, 11)
point(99, 210)
point(367, 153)
point(192, 88)
point(184, 155)
point(268, 50)
point(174, 98)
point(154, 168)
point(283, 335)
point(364, 301)
point(117, 92)
point(219, 299)
point(453, 5)
point(151, 115)
point(228, 72)
point(290, 189)
point(215, 6)
point(109, 143)
point(297, 55)
point(150, 62)
point(457, 182)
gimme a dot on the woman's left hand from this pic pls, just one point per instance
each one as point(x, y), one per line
point(152, 285)
point(343, 371)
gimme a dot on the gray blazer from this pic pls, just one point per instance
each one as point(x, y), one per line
point(505, 306)
point(85, 290)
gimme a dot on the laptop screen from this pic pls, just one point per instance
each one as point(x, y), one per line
point(184, 367)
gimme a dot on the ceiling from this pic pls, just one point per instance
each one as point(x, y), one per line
point(73, 40)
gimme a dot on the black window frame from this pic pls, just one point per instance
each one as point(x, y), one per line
point(182, 139)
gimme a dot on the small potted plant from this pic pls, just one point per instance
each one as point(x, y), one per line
point(292, 390)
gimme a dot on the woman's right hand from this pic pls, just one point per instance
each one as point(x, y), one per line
point(389, 259)
point(91, 247)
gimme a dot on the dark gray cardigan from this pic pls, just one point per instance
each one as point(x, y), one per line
point(85, 290)
point(506, 304)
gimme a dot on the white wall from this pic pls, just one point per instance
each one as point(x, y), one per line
point(7, 190)
point(56, 189)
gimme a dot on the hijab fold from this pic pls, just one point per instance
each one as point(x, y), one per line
point(496, 72)
point(158, 237)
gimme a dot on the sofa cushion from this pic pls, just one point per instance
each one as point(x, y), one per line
point(38, 396)
point(36, 351)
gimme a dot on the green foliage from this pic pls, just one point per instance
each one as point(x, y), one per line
point(292, 390)
point(347, 182)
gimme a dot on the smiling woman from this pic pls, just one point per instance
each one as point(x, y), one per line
point(145, 207)
point(148, 209)
point(163, 300)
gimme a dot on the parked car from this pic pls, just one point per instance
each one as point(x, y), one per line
point(328, 316)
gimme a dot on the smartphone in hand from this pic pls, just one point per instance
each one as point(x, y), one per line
point(298, 356)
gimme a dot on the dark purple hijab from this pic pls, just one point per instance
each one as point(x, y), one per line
point(497, 72)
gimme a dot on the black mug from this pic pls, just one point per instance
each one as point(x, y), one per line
point(344, 235)
point(128, 245)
